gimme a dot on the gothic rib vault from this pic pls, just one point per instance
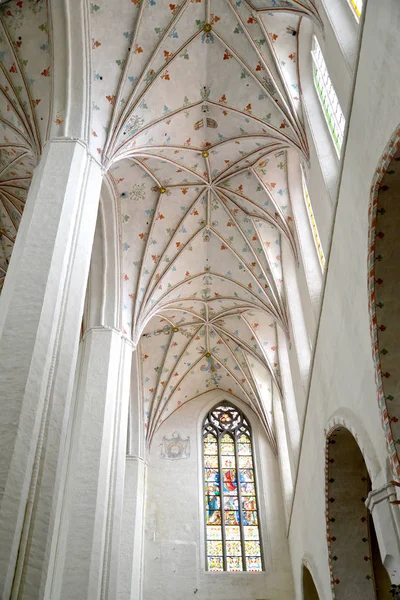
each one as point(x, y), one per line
point(194, 107)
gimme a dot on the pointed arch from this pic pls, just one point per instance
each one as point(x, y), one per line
point(233, 538)
point(383, 246)
point(355, 564)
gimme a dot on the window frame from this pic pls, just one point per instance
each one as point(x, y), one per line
point(327, 97)
point(244, 421)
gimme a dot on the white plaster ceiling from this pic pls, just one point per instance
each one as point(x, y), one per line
point(194, 106)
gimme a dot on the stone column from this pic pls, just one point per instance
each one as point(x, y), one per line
point(40, 317)
point(289, 407)
point(130, 575)
point(89, 537)
point(131, 550)
point(386, 516)
point(283, 454)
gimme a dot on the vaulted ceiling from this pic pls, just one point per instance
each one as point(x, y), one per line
point(194, 106)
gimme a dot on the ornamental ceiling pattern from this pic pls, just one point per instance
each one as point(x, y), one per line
point(194, 107)
point(24, 110)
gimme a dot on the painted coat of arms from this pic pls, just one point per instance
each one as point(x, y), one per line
point(175, 447)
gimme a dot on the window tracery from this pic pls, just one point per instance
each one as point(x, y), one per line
point(233, 540)
point(327, 97)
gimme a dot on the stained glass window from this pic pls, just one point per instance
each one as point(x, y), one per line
point(233, 541)
point(313, 224)
point(356, 5)
point(328, 98)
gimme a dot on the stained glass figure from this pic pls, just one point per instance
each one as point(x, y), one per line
point(233, 540)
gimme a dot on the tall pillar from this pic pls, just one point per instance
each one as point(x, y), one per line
point(89, 536)
point(40, 317)
point(283, 454)
point(133, 515)
point(289, 405)
point(131, 553)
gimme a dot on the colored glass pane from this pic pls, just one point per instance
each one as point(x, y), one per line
point(249, 503)
point(211, 462)
point(234, 548)
point(234, 563)
point(228, 461)
point(212, 488)
point(243, 439)
point(215, 563)
point(212, 475)
point(356, 5)
point(252, 548)
point(231, 517)
point(246, 475)
point(210, 448)
point(245, 462)
point(253, 563)
point(214, 548)
point(227, 449)
point(250, 533)
point(327, 96)
point(230, 482)
point(233, 537)
point(250, 517)
point(313, 224)
point(247, 489)
point(213, 502)
point(213, 532)
point(244, 446)
point(231, 503)
point(213, 517)
point(232, 533)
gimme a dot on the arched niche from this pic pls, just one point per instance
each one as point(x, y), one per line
point(357, 572)
point(384, 291)
point(309, 589)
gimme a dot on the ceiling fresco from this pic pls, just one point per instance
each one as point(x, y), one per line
point(194, 107)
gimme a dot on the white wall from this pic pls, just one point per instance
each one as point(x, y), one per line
point(174, 564)
point(342, 379)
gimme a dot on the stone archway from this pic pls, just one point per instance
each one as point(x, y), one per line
point(309, 589)
point(356, 568)
point(384, 291)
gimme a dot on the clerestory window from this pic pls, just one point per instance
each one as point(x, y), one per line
point(233, 541)
point(328, 98)
point(311, 218)
point(356, 6)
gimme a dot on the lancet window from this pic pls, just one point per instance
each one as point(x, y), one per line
point(356, 6)
point(233, 541)
point(313, 224)
point(327, 97)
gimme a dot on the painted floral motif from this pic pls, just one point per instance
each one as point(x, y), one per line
point(193, 109)
point(25, 84)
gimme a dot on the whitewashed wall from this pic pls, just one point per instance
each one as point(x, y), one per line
point(342, 379)
point(174, 563)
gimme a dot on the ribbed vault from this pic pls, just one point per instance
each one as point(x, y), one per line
point(24, 110)
point(194, 107)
